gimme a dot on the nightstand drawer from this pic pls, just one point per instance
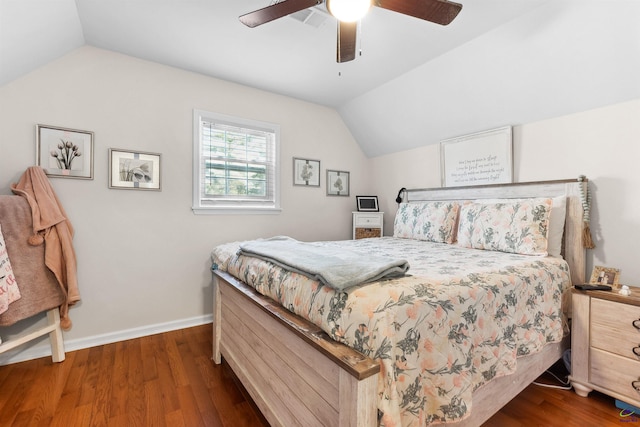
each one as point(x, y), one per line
point(367, 233)
point(367, 221)
point(612, 328)
point(615, 373)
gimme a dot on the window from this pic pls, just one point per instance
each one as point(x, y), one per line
point(235, 164)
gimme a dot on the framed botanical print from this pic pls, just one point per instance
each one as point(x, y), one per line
point(134, 170)
point(306, 172)
point(337, 183)
point(64, 152)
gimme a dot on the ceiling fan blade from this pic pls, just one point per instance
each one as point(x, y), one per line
point(347, 32)
point(439, 11)
point(275, 11)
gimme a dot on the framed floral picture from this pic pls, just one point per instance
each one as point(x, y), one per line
point(337, 183)
point(306, 172)
point(64, 152)
point(134, 170)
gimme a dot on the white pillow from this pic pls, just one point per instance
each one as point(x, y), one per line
point(556, 225)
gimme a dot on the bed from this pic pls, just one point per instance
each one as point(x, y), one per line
point(325, 356)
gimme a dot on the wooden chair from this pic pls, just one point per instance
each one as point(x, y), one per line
point(39, 289)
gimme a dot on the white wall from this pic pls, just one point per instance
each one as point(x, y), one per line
point(601, 144)
point(143, 256)
point(561, 57)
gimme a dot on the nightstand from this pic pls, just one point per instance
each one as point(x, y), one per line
point(605, 344)
point(367, 224)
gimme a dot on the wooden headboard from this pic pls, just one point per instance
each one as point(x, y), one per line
point(573, 251)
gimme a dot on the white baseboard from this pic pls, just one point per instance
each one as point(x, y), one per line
point(43, 349)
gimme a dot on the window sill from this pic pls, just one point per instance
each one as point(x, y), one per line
point(234, 210)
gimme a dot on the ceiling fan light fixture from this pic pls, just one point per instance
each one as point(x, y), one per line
point(348, 10)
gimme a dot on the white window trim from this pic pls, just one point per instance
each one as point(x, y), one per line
point(197, 208)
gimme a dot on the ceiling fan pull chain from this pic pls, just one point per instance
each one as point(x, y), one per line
point(359, 38)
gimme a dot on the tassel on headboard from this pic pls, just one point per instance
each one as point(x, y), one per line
point(585, 197)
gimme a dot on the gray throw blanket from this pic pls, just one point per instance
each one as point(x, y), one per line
point(335, 267)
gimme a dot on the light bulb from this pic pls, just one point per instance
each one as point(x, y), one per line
point(348, 10)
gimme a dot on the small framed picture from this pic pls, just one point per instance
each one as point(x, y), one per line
point(367, 203)
point(306, 172)
point(134, 170)
point(64, 153)
point(337, 183)
point(605, 276)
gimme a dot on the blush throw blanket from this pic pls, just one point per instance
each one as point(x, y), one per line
point(50, 224)
point(335, 267)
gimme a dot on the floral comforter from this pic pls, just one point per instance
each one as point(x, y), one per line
point(460, 318)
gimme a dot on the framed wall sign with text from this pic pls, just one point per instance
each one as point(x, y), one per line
point(477, 159)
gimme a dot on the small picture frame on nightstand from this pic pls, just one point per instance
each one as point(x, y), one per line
point(605, 276)
point(367, 203)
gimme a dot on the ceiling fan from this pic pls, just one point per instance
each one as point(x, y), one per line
point(438, 11)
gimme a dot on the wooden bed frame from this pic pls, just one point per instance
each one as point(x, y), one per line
point(298, 376)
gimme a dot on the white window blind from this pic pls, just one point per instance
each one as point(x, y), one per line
point(235, 164)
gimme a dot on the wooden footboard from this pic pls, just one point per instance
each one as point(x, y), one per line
point(298, 376)
point(293, 371)
point(491, 397)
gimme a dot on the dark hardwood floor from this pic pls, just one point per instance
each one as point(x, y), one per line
point(169, 380)
point(160, 380)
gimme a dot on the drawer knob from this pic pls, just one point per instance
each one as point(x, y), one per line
point(636, 324)
point(636, 350)
point(636, 385)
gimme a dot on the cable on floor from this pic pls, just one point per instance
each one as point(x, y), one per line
point(566, 385)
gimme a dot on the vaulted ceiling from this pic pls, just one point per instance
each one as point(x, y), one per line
point(414, 83)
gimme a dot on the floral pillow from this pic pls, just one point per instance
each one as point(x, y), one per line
point(519, 227)
point(556, 221)
point(430, 221)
